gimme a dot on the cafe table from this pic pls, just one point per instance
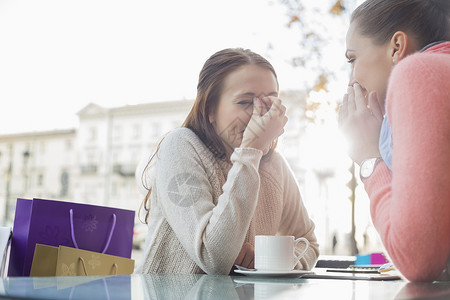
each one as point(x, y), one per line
point(197, 286)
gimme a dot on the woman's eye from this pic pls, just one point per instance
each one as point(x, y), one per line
point(350, 60)
point(245, 102)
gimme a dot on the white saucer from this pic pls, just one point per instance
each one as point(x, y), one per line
point(293, 273)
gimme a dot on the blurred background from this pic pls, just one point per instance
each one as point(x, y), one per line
point(89, 87)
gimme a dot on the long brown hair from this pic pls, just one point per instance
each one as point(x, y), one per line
point(209, 89)
point(426, 20)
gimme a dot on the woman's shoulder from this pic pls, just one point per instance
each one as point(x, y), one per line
point(183, 141)
point(180, 133)
point(419, 73)
point(416, 81)
point(423, 64)
point(180, 136)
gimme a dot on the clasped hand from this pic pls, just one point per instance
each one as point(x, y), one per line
point(360, 121)
point(246, 256)
point(266, 124)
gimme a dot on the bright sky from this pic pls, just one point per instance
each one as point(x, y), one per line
point(57, 56)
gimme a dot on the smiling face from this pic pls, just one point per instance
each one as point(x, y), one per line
point(371, 63)
point(235, 106)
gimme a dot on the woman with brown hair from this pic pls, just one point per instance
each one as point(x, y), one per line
point(397, 118)
point(218, 180)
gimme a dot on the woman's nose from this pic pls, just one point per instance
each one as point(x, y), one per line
point(352, 80)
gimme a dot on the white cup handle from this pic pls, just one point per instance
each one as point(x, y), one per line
point(298, 257)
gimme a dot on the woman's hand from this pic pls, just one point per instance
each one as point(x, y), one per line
point(361, 123)
point(266, 124)
point(246, 256)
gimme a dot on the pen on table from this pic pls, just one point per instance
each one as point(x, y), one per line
point(366, 269)
point(386, 268)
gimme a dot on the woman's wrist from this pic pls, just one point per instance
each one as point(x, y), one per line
point(242, 148)
point(253, 143)
point(359, 159)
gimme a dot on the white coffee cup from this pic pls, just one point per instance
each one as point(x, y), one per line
point(277, 253)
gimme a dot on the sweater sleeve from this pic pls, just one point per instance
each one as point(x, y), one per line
point(411, 207)
point(295, 219)
point(212, 234)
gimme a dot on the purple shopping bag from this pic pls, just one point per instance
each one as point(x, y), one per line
point(89, 227)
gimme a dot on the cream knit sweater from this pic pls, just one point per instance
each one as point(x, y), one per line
point(203, 209)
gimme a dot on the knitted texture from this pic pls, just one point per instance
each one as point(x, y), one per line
point(203, 209)
point(410, 207)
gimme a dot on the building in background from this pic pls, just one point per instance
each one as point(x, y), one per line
point(95, 163)
point(39, 164)
point(111, 142)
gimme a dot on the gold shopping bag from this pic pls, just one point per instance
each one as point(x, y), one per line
point(67, 261)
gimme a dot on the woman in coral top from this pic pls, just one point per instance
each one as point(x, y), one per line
point(396, 116)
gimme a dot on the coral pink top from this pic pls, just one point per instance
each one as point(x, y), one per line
point(410, 207)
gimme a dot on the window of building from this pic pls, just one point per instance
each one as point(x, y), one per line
point(64, 183)
point(92, 134)
point(137, 131)
point(115, 156)
point(114, 189)
point(40, 180)
point(42, 147)
point(68, 144)
point(155, 130)
point(117, 132)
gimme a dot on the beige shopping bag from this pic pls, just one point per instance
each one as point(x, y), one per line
point(67, 261)
point(44, 261)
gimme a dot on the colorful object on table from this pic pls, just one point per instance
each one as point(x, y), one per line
point(371, 259)
point(378, 259)
point(95, 228)
point(362, 260)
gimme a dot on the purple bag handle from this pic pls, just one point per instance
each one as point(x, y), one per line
point(109, 237)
